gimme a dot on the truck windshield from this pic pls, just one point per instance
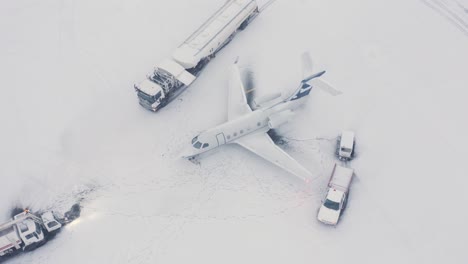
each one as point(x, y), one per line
point(52, 224)
point(38, 229)
point(332, 205)
point(345, 149)
point(145, 96)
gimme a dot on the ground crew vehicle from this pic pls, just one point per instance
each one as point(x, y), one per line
point(337, 195)
point(171, 77)
point(26, 231)
point(346, 144)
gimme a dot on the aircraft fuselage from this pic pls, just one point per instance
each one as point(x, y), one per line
point(254, 122)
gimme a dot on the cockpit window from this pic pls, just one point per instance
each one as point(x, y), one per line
point(205, 145)
point(194, 139)
point(23, 227)
point(197, 145)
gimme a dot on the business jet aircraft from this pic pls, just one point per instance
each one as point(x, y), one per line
point(248, 127)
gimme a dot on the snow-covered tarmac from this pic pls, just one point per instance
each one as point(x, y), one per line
point(71, 125)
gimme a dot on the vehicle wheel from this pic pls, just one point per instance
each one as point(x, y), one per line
point(244, 24)
point(345, 203)
point(31, 247)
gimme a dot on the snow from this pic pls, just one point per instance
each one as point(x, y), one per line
point(72, 130)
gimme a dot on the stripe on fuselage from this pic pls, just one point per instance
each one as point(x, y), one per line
point(305, 90)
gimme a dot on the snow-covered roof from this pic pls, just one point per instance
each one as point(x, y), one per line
point(188, 53)
point(149, 87)
point(335, 195)
point(347, 139)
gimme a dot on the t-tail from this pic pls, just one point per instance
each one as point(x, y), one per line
point(311, 80)
point(305, 87)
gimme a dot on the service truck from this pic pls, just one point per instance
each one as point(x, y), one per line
point(345, 146)
point(337, 195)
point(171, 77)
point(26, 231)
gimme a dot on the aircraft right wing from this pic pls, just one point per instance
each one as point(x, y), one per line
point(262, 145)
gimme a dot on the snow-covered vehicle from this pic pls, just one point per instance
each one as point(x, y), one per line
point(346, 144)
point(337, 195)
point(26, 231)
point(173, 76)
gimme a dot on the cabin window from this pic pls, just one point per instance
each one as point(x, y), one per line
point(205, 145)
point(197, 145)
point(194, 139)
point(242, 131)
point(259, 124)
point(228, 137)
point(29, 236)
point(235, 134)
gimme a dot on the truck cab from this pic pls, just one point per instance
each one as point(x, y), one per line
point(49, 221)
point(30, 232)
point(154, 91)
point(332, 207)
point(150, 94)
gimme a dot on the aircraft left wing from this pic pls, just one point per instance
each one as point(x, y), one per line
point(237, 102)
point(262, 145)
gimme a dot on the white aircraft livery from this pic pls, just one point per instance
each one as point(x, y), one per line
point(248, 127)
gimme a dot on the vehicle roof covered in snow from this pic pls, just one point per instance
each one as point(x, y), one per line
point(335, 195)
point(347, 139)
point(149, 87)
point(341, 178)
point(189, 53)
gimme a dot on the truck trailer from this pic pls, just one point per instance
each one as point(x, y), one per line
point(171, 77)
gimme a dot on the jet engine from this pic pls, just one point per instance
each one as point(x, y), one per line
point(278, 119)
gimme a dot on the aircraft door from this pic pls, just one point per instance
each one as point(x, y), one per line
point(221, 139)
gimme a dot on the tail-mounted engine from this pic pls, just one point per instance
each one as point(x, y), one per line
point(280, 118)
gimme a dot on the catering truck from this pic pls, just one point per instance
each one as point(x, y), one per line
point(171, 77)
point(337, 195)
point(26, 231)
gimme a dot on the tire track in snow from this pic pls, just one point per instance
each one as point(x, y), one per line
point(445, 11)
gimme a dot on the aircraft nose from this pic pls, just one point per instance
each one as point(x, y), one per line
point(188, 152)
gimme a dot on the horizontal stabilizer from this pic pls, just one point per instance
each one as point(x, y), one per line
point(326, 87)
point(316, 75)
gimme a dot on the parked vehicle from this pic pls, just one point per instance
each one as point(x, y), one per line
point(26, 231)
point(346, 144)
point(173, 76)
point(337, 195)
